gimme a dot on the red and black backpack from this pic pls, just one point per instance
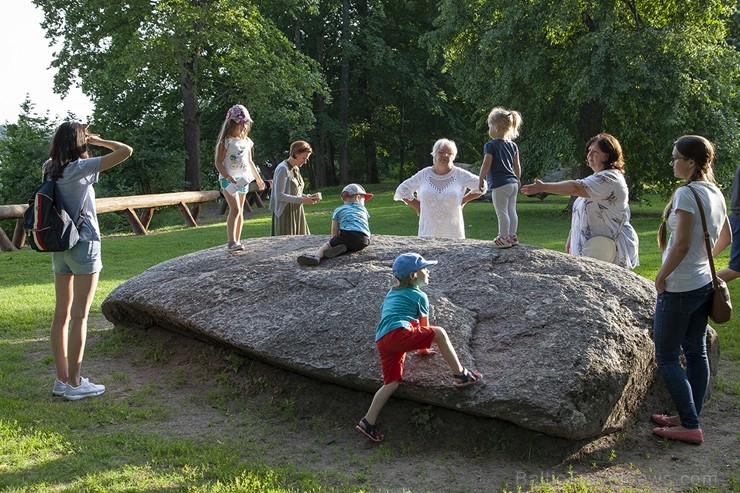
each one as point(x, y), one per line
point(49, 228)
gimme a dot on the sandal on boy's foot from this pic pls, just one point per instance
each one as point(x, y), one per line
point(335, 251)
point(693, 435)
point(309, 260)
point(501, 242)
point(665, 421)
point(370, 431)
point(466, 378)
point(513, 240)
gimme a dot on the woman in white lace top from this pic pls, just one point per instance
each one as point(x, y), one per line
point(439, 192)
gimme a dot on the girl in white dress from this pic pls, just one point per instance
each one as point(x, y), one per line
point(439, 192)
point(234, 161)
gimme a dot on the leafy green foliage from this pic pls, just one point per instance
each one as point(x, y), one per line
point(645, 71)
point(399, 101)
point(162, 73)
point(23, 149)
point(373, 83)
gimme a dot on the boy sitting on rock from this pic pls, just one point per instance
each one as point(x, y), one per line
point(349, 227)
point(404, 326)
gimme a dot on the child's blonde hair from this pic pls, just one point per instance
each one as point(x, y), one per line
point(237, 125)
point(505, 120)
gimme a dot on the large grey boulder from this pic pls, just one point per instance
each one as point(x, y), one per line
point(563, 342)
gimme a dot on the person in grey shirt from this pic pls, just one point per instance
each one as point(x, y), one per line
point(76, 271)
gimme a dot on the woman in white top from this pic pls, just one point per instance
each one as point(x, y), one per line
point(439, 192)
point(602, 207)
point(684, 285)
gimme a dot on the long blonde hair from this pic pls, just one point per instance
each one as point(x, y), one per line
point(700, 150)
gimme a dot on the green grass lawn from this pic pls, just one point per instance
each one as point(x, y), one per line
point(96, 445)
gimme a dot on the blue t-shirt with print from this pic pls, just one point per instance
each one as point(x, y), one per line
point(352, 216)
point(400, 307)
point(502, 165)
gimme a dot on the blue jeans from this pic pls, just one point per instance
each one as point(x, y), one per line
point(735, 250)
point(681, 323)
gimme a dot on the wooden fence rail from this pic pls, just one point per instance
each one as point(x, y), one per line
point(125, 205)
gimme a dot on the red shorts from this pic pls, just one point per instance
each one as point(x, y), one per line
point(393, 347)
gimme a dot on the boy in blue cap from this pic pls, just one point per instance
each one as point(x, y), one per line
point(350, 227)
point(404, 326)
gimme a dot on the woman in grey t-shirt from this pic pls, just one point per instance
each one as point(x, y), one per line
point(76, 270)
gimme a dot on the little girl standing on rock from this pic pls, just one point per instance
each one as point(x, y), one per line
point(502, 171)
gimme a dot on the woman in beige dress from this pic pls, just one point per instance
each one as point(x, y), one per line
point(286, 202)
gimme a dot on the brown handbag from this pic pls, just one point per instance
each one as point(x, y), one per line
point(721, 309)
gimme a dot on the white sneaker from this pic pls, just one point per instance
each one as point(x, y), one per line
point(234, 246)
point(59, 388)
point(86, 389)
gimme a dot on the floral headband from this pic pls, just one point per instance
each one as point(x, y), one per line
point(239, 114)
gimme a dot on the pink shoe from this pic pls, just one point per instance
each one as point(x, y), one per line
point(501, 242)
point(666, 421)
point(680, 433)
point(513, 240)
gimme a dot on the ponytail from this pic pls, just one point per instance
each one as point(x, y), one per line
point(662, 241)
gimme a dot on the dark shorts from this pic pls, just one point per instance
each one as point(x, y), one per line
point(735, 250)
point(354, 240)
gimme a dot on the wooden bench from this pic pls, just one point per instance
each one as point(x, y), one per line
point(126, 205)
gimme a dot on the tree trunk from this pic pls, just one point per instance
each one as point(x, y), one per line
point(402, 143)
point(368, 138)
point(371, 158)
point(589, 124)
point(363, 84)
point(319, 132)
point(191, 122)
point(344, 97)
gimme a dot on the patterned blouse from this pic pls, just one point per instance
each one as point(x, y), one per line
point(602, 214)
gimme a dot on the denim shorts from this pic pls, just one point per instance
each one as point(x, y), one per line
point(83, 258)
point(225, 183)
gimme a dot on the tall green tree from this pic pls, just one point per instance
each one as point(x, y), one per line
point(390, 100)
point(23, 149)
point(159, 71)
point(646, 71)
point(24, 146)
